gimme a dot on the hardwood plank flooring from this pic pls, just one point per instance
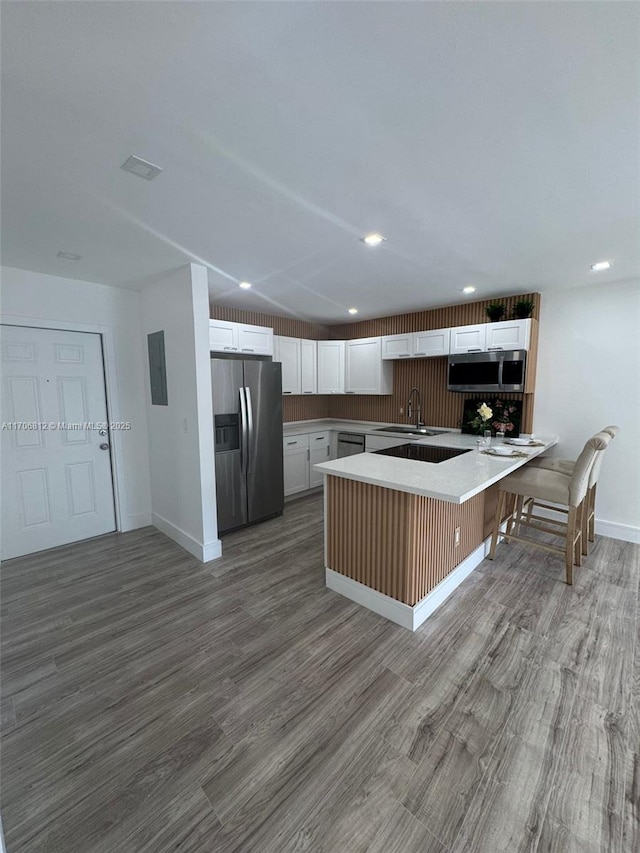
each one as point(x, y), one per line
point(152, 704)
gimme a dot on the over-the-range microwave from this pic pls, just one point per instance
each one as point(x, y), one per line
point(501, 370)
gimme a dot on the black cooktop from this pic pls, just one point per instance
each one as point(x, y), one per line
point(421, 452)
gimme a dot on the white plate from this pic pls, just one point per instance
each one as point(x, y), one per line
point(500, 451)
point(524, 441)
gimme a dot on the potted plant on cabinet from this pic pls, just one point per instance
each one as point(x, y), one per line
point(495, 311)
point(523, 308)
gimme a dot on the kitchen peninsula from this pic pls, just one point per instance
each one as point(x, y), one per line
point(402, 534)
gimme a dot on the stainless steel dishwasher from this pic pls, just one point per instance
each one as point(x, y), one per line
point(349, 444)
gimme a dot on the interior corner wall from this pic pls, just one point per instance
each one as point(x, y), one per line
point(181, 449)
point(589, 377)
point(57, 302)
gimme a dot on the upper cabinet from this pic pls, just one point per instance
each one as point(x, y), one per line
point(287, 352)
point(397, 346)
point(331, 367)
point(240, 338)
point(432, 343)
point(366, 372)
point(308, 367)
point(505, 335)
point(509, 334)
point(298, 359)
point(468, 339)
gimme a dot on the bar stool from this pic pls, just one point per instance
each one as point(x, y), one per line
point(566, 466)
point(556, 488)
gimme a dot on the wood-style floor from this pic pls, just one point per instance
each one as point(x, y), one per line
point(153, 704)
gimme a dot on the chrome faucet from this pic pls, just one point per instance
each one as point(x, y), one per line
point(418, 407)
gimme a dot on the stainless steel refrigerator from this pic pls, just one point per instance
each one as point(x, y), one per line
point(247, 411)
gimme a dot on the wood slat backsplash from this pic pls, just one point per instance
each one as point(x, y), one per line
point(440, 407)
point(433, 318)
point(281, 325)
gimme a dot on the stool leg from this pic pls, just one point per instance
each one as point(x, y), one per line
point(510, 520)
point(496, 524)
point(569, 544)
point(592, 515)
point(584, 525)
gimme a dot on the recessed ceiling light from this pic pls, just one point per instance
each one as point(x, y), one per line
point(600, 266)
point(69, 256)
point(373, 239)
point(141, 168)
point(245, 285)
point(468, 289)
point(353, 310)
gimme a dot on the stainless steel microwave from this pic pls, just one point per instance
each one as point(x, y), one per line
point(503, 370)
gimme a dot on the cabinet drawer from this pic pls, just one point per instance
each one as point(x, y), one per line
point(295, 443)
point(316, 439)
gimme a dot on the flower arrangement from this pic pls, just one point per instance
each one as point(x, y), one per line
point(483, 415)
point(492, 413)
point(503, 416)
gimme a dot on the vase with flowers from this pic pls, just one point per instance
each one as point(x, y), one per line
point(481, 421)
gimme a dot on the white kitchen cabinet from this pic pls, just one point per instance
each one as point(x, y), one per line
point(397, 346)
point(468, 339)
point(240, 338)
point(223, 336)
point(296, 464)
point(509, 334)
point(366, 372)
point(331, 367)
point(319, 451)
point(255, 340)
point(308, 367)
point(432, 343)
point(287, 352)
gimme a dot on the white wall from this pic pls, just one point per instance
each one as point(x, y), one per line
point(65, 303)
point(589, 377)
point(181, 446)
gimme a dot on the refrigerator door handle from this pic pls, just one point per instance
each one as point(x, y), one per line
point(247, 392)
point(243, 432)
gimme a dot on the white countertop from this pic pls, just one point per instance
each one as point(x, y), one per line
point(455, 480)
point(360, 427)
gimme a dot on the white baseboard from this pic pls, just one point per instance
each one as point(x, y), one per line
point(618, 531)
point(203, 551)
point(407, 616)
point(612, 529)
point(135, 522)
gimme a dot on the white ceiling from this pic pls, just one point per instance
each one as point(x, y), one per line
point(493, 144)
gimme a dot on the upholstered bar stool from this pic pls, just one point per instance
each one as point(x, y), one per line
point(566, 466)
point(556, 488)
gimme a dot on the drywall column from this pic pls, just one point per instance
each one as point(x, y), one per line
point(181, 449)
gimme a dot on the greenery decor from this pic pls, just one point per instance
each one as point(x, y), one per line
point(495, 311)
point(523, 308)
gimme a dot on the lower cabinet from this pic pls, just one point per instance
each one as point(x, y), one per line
point(301, 453)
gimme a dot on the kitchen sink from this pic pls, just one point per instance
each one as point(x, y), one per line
point(411, 430)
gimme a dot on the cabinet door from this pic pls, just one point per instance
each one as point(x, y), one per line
point(296, 471)
point(223, 336)
point(468, 339)
point(287, 352)
point(366, 373)
point(509, 334)
point(432, 343)
point(255, 340)
point(308, 367)
point(330, 367)
point(397, 346)
point(319, 451)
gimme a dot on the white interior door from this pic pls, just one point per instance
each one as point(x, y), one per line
point(56, 467)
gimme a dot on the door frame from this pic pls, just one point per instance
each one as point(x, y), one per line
point(107, 340)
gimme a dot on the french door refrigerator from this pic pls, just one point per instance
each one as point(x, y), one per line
point(247, 411)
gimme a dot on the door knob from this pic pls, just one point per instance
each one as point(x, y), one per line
point(104, 446)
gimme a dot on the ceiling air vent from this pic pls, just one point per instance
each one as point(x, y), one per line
point(141, 168)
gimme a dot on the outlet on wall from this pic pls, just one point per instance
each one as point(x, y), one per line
point(402, 410)
point(456, 537)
